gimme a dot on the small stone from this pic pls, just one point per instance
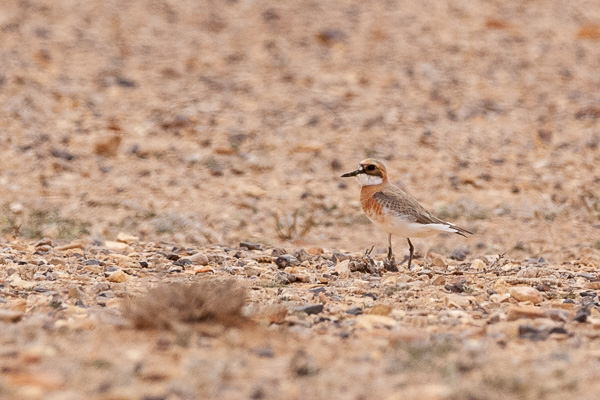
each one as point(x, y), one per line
point(310, 309)
point(173, 256)
point(457, 301)
point(314, 251)
point(518, 312)
point(343, 268)
point(19, 283)
point(117, 276)
point(593, 285)
point(251, 246)
point(354, 311)
point(526, 293)
point(251, 270)
point(108, 147)
point(478, 265)
point(70, 246)
point(183, 262)
point(278, 252)
point(116, 246)
point(10, 316)
point(127, 238)
point(499, 298)
point(286, 260)
point(439, 280)
point(199, 259)
point(438, 260)
point(43, 242)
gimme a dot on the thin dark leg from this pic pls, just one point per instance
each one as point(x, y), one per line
point(389, 246)
point(411, 249)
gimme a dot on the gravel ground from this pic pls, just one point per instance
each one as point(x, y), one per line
point(174, 224)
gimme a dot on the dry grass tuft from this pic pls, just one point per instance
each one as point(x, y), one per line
point(169, 305)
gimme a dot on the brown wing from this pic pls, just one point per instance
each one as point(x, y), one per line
point(402, 204)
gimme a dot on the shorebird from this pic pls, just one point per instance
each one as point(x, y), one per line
point(395, 211)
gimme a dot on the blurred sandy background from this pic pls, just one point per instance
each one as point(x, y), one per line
point(218, 121)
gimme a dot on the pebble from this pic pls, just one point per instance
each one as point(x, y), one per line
point(182, 262)
point(439, 280)
point(526, 293)
point(438, 260)
point(127, 238)
point(457, 301)
point(117, 276)
point(499, 298)
point(251, 246)
point(116, 246)
point(198, 259)
point(70, 246)
point(518, 312)
point(343, 268)
point(314, 251)
point(310, 309)
point(354, 311)
point(19, 283)
point(286, 260)
point(478, 264)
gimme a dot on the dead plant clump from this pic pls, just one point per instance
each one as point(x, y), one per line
point(169, 305)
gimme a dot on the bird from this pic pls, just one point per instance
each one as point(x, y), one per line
point(395, 211)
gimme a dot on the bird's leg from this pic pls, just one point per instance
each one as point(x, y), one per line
point(390, 263)
point(411, 249)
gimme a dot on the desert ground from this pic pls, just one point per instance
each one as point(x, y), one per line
point(174, 225)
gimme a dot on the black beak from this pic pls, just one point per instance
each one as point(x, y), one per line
point(353, 173)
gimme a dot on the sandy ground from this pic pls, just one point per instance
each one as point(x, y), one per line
point(195, 126)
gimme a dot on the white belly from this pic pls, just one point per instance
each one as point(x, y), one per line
point(404, 228)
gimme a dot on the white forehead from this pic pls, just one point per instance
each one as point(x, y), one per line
point(368, 180)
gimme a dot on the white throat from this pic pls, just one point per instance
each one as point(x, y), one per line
point(368, 180)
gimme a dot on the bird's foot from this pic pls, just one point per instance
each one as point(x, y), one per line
point(389, 264)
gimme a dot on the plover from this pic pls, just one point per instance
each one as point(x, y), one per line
point(393, 210)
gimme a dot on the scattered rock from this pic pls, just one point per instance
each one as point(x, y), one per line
point(518, 312)
point(310, 309)
point(70, 246)
point(108, 147)
point(118, 276)
point(127, 238)
point(343, 268)
point(314, 251)
point(286, 260)
point(526, 293)
point(354, 311)
point(478, 265)
point(198, 259)
point(438, 260)
point(499, 298)
point(116, 246)
point(250, 246)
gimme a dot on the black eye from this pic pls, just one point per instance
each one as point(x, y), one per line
point(370, 167)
